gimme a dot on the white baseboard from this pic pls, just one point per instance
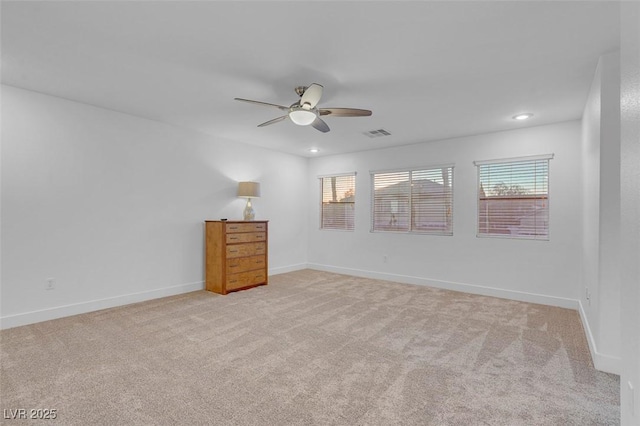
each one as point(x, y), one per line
point(602, 362)
point(285, 269)
point(17, 320)
point(26, 318)
point(455, 286)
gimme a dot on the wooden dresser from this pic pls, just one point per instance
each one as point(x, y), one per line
point(235, 255)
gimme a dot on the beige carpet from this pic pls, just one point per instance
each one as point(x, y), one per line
point(311, 348)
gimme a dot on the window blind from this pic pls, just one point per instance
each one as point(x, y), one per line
point(418, 200)
point(338, 202)
point(513, 199)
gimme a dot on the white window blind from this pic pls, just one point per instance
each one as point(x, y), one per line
point(338, 202)
point(418, 200)
point(513, 198)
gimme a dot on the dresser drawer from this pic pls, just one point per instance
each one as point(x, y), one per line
point(245, 227)
point(243, 264)
point(249, 249)
point(247, 237)
point(245, 279)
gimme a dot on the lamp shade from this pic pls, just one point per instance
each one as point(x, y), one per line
point(302, 117)
point(249, 189)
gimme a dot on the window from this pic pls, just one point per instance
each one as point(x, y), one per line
point(338, 201)
point(513, 198)
point(413, 200)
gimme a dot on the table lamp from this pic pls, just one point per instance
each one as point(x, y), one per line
point(249, 190)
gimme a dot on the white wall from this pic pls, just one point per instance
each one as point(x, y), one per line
point(538, 271)
point(591, 207)
point(630, 213)
point(601, 215)
point(609, 293)
point(112, 206)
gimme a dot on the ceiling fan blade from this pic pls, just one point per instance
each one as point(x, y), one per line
point(319, 124)
point(345, 112)
point(275, 120)
point(311, 95)
point(283, 108)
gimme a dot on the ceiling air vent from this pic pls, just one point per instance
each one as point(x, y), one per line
point(377, 133)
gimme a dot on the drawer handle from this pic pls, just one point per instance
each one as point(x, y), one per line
point(233, 227)
point(233, 266)
point(258, 276)
point(233, 238)
point(259, 237)
point(233, 251)
point(233, 281)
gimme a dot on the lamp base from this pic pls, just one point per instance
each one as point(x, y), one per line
point(249, 213)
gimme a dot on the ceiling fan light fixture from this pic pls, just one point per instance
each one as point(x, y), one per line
point(302, 117)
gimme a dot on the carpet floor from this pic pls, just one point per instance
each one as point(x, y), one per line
point(311, 348)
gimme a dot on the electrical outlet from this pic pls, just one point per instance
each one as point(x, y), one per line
point(50, 284)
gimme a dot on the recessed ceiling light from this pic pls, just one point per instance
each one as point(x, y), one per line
point(522, 116)
point(314, 150)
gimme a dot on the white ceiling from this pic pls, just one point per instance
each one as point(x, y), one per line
point(427, 70)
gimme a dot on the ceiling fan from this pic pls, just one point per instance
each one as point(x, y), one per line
point(305, 110)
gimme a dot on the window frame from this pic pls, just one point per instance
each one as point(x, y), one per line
point(353, 203)
point(410, 171)
point(531, 158)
